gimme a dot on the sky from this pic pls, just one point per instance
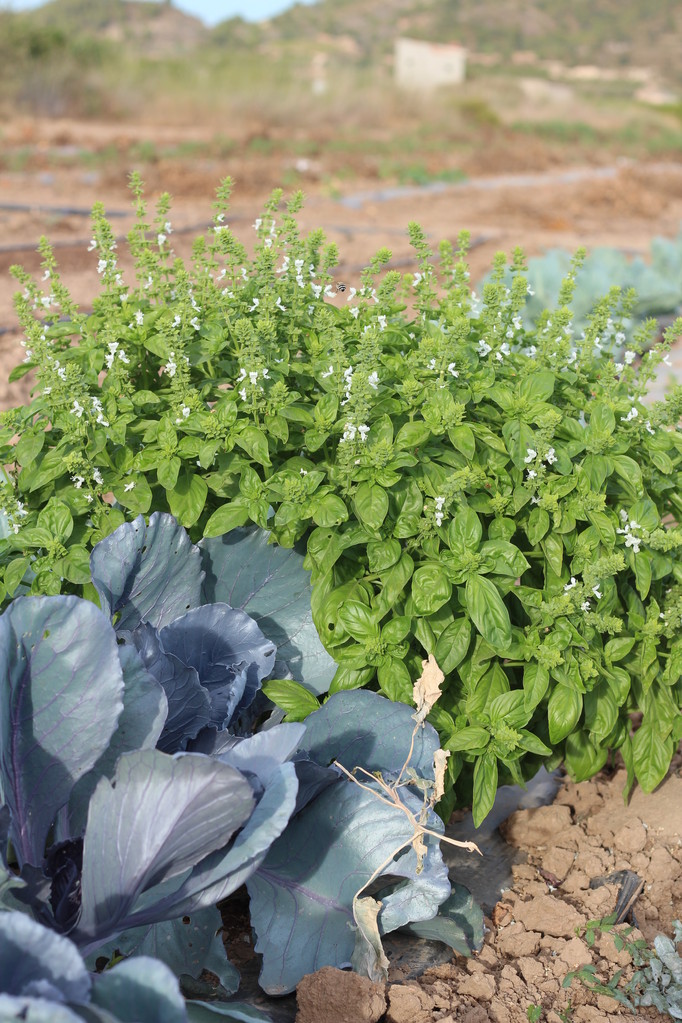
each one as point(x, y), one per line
point(210, 11)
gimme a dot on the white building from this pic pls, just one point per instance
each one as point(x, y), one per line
point(420, 65)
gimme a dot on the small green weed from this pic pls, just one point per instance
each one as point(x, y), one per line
point(657, 982)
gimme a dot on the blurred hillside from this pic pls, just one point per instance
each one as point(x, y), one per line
point(311, 92)
point(616, 34)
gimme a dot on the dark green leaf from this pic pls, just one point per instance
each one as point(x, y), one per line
point(56, 519)
point(465, 531)
point(535, 683)
point(431, 588)
point(371, 504)
point(468, 739)
point(488, 612)
point(383, 554)
point(227, 517)
point(394, 681)
point(537, 525)
point(255, 443)
point(563, 711)
point(187, 499)
point(167, 472)
point(485, 787)
point(358, 621)
point(412, 435)
point(453, 644)
point(651, 754)
point(329, 510)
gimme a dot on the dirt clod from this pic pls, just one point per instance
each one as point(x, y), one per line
point(549, 916)
point(338, 996)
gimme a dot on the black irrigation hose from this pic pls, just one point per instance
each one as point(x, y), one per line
point(70, 211)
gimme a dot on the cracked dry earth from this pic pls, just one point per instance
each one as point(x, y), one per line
point(535, 935)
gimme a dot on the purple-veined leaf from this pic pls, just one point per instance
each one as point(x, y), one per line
point(147, 573)
point(35, 961)
point(140, 988)
point(271, 585)
point(224, 871)
point(154, 821)
point(302, 895)
point(227, 650)
point(189, 706)
point(61, 699)
point(145, 709)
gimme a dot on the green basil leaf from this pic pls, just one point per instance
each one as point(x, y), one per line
point(396, 630)
point(563, 711)
point(329, 510)
point(618, 648)
point(601, 710)
point(465, 531)
point(394, 681)
point(535, 684)
point(492, 683)
point(292, 697)
point(76, 565)
point(394, 581)
point(651, 753)
point(453, 645)
point(553, 549)
point(382, 554)
point(505, 557)
point(350, 678)
point(501, 529)
point(14, 573)
point(56, 519)
point(488, 612)
point(462, 439)
point(431, 588)
point(604, 527)
point(582, 758)
point(643, 573)
point(358, 621)
point(537, 525)
point(186, 500)
point(474, 738)
point(519, 439)
point(227, 517)
point(602, 420)
point(537, 386)
point(532, 744)
point(255, 443)
point(250, 484)
point(167, 472)
point(28, 447)
point(412, 435)
point(485, 786)
point(371, 504)
point(508, 709)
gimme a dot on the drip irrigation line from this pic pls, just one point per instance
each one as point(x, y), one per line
point(67, 211)
point(74, 243)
